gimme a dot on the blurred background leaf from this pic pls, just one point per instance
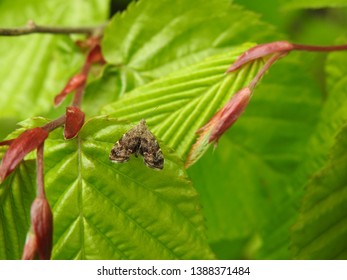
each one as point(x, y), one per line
point(314, 4)
point(321, 229)
point(321, 224)
point(34, 68)
point(246, 183)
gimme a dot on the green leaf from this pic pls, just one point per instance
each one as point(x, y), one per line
point(246, 184)
point(104, 210)
point(333, 114)
point(331, 122)
point(321, 229)
point(34, 68)
point(16, 195)
point(150, 40)
point(314, 4)
point(178, 105)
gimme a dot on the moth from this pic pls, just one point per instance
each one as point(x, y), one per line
point(139, 141)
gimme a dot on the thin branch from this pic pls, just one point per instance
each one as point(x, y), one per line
point(55, 123)
point(40, 172)
point(312, 48)
point(6, 142)
point(77, 100)
point(33, 28)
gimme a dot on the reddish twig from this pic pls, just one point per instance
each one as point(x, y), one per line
point(40, 172)
point(55, 123)
point(6, 142)
point(311, 48)
point(77, 100)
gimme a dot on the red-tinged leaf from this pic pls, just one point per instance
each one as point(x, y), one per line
point(42, 223)
point(230, 113)
point(74, 121)
point(30, 248)
point(95, 55)
point(219, 123)
point(19, 148)
point(261, 51)
point(75, 82)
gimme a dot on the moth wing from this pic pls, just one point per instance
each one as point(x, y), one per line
point(119, 153)
point(128, 144)
point(150, 150)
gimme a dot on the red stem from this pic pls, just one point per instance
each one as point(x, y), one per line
point(40, 172)
point(55, 123)
point(319, 48)
point(77, 100)
point(6, 142)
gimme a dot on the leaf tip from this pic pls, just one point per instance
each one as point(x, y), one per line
point(20, 147)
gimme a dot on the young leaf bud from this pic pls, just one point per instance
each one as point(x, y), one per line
point(74, 121)
point(219, 123)
point(42, 223)
point(259, 51)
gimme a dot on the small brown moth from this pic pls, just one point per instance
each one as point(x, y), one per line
point(138, 140)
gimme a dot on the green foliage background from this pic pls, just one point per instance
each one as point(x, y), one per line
point(275, 188)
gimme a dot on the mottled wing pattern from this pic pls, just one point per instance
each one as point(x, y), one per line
point(138, 140)
point(128, 144)
point(150, 150)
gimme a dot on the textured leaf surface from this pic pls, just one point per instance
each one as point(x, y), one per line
point(306, 242)
point(150, 40)
point(104, 210)
point(330, 120)
point(321, 230)
point(334, 112)
point(245, 184)
point(16, 195)
point(181, 103)
point(34, 68)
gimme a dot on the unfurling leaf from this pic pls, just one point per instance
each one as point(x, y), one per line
point(76, 81)
point(19, 148)
point(219, 123)
point(229, 114)
point(74, 121)
point(259, 51)
point(42, 223)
